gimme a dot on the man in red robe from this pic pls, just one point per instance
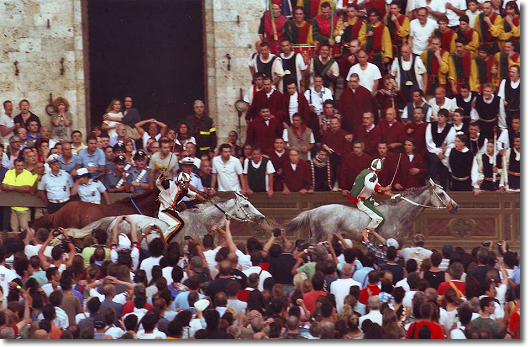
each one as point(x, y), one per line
point(353, 164)
point(271, 29)
point(278, 157)
point(412, 170)
point(354, 102)
point(263, 130)
point(299, 104)
point(311, 7)
point(390, 163)
point(267, 96)
point(337, 142)
point(392, 131)
point(369, 133)
point(297, 174)
point(416, 130)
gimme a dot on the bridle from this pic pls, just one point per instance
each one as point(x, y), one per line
point(239, 205)
point(432, 187)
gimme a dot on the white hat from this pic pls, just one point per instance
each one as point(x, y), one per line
point(52, 158)
point(201, 304)
point(123, 242)
point(348, 242)
point(376, 165)
point(392, 242)
point(82, 171)
point(187, 161)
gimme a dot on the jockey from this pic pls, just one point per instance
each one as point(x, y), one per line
point(171, 194)
point(361, 193)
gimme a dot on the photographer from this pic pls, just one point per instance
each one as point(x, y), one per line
point(57, 251)
point(121, 243)
point(281, 260)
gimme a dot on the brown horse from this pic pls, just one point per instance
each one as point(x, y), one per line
point(78, 214)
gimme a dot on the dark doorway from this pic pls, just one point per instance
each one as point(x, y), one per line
point(151, 50)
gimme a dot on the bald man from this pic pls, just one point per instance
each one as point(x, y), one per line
point(341, 287)
point(40, 334)
point(409, 72)
point(392, 131)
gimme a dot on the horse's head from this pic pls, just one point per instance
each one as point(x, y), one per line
point(240, 208)
point(440, 198)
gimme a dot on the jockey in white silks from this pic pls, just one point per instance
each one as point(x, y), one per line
point(171, 194)
point(365, 184)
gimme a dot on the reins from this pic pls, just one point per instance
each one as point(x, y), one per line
point(230, 216)
point(421, 205)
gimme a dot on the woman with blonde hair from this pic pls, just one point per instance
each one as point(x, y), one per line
point(61, 120)
point(112, 118)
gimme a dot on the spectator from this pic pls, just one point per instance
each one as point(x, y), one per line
point(421, 30)
point(264, 129)
point(374, 315)
point(130, 117)
point(439, 137)
point(76, 142)
point(155, 130)
point(55, 185)
point(112, 117)
point(227, 171)
point(368, 74)
point(163, 160)
point(258, 173)
point(25, 115)
point(353, 163)
point(418, 252)
point(19, 180)
point(61, 120)
point(7, 124)
point(325, 66)
point(297, 175)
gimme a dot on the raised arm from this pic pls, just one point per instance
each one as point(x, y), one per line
point(42, 257)
point(133, 229)
point(115, 229)
point(229, 237)
point(71, 252)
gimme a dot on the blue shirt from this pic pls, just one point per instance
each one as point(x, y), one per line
point(517, 274)
point(361, 276)
point(182, 302)
point(133, 173)
point(68, 167)
point(91, 192)
point(87, 160)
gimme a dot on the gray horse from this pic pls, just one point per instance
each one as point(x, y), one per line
point(197, 221)
point(399, 213)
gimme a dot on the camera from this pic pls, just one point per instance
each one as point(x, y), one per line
point(499, 243)
point(486, 243)
point(55, 232)
point(276, 232)
point(187, 237)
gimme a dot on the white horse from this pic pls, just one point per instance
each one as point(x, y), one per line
point(399, 214)
point(197, 221)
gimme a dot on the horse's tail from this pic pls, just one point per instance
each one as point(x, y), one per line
point(103, 223)
point(302, 221)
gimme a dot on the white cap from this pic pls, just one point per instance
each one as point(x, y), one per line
point(82, 171)
point(187, 161)
point(53, 157)
point(201, 304)
point(392, 242)
point(348, 242)
point(123, 242)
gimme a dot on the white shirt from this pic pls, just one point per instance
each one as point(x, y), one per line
point(431, 146)
point(146, 137)
point(454, 19)
point(8, 122)
point(427, 116)
point(300, 66)
point(31, 250)
point(263, 274)
point(270, 170)
point(210, 257)
point(6, 276)
point(57, 187)
point(421, 34)
point(367, 77)
point(244, 260)
point(501, 116)
point(115, 332)
point(227, 173)
point(293, 107)
point(148, 264)
point(118, 299)
point(403, 283)
point(276, 68)
point(435, 5)
point(449, 104)
point(91, 192)
point(341, 288)
point(407, 299)
point(61, 318)
point(503, 142)
point(374, 316)
point(316, 99)
point(419, 69)
point(156, 334)
point(472, 17)
point(113, 132)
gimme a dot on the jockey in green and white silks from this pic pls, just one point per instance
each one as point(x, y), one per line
point(365, 184)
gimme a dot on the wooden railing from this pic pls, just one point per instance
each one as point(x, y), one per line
point(490, 216)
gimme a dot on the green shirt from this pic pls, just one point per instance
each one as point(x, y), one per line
point(308, 269)
point(89, 251)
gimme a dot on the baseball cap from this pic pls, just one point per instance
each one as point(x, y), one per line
point(52, 158)
point(99, 322)
point(187, 161)
point(392, 242)
point(447, 249)
point(123, 242)
point(197, 264)
point(120, 159)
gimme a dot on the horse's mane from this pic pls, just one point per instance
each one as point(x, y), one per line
point(208, 203)
point(408, 193)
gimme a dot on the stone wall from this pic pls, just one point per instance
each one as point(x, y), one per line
point(231, 27)
point(37, 34)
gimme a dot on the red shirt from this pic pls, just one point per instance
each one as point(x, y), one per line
point(129, 307)
point(364, 294)
point(436, 330)
point(310, 298)
point(445, 286)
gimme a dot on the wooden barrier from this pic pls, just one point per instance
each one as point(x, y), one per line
point(490, 216)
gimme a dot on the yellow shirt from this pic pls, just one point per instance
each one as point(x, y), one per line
point(25, 178)
point(386, 42)
point(76, 151)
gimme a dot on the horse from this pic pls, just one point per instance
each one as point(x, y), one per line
point(399, 212)
point(78, 214)
point(197, 221)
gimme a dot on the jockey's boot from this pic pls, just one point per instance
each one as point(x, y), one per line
point(336, 187)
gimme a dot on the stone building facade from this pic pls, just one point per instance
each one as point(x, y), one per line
point(39, 33)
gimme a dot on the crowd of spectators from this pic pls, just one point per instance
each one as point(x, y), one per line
point(432, 88)
point(216, 289)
